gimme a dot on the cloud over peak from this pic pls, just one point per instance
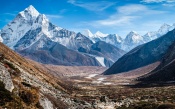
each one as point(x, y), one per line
point(92, 6)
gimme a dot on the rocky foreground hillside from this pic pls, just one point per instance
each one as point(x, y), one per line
point(25, 86)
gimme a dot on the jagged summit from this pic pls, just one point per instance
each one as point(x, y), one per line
point(133, 37)
point(119, 39)
point(30, 11)
point(164, 29)
point(132, 32)
point(100, 34)
point(165, 25)
point(132, 40)
point(88, 33)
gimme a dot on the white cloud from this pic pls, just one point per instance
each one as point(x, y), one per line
point(92, 6)
point(158, 1)
point(53, 16)
point(125, 15)
point(129, 9)
point(11, 14)
point(169, 5)
point(117, 21)
point(137, 9)
point(153, 1)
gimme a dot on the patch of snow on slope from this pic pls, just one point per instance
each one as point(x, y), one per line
point(91, 75)
point(1, 40)
point(101, 61)
point(100, 79)
point(107, 83)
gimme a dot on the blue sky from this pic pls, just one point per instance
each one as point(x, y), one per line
point(108, 16)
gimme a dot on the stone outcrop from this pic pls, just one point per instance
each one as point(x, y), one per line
point(6, 78)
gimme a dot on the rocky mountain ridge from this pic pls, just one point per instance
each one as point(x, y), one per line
point(132, 40)
point(143, 55)
point(32, 31)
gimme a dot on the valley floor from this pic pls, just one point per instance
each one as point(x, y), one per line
point(112, 91)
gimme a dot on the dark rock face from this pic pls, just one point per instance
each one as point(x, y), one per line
point(165, 71)
point(109, 51)
point(49, 52)
point(143, 55)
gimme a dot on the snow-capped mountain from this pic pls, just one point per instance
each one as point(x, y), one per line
point(132, 40)
point(150, 36)
point(164, 29)
point(100, 34)
point(14, 31)
point(156, 34)
point(30, 19)
point(112, 39)
point(87, 33)
point(32, 33)
point(1, 40)
point(143, 55)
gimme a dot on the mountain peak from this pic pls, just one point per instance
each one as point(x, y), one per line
point(30, 11)
point(133, 37)
point(164, 29)
point(100, 34)
point(165, 25)
point(133, 32)
point(31, 7)
point(88, 33)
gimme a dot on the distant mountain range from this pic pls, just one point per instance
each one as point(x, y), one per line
point(145, 54)
point(132, 40)
point(32, 35)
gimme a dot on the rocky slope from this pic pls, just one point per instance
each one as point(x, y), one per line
point(165, 71)
point(144, 54)
point(24, 85)
point(48, 52)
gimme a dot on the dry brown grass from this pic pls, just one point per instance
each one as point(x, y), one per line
point(29, 66)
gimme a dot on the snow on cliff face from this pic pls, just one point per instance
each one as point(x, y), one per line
point(101, 61)
point(1, 40)
point(100, 34)
point(150, 36)
point(30, 13)
point(27, 20)
point(26, 26)
point(113, 39)
point(17, 28)
point(87, 33)
point(165, 28)
point(132, 40)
